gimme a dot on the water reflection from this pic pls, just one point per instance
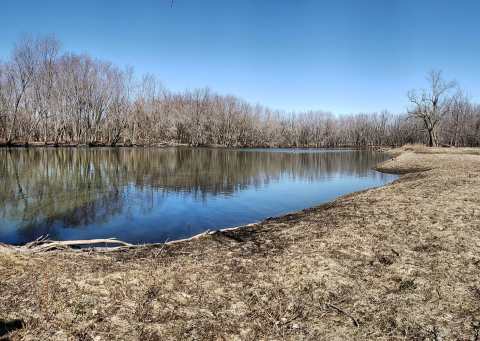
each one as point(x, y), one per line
point(144, 195)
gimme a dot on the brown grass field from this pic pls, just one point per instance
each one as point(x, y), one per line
point(400, 262)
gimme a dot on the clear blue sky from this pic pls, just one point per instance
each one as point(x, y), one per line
point(343, 56)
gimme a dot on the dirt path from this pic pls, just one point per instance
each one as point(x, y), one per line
point(398, 262)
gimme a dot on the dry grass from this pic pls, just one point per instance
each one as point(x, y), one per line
point(398, 262)
point(423, 149)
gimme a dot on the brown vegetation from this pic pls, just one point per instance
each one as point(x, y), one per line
point(397, 262)
point(52, 98)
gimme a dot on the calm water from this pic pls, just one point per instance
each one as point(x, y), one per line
point(154, 195)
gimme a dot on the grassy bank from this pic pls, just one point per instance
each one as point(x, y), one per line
point(397, 262)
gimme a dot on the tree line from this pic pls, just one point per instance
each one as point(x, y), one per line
point(55, 97)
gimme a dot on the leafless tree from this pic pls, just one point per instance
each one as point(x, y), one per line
point(20, 72)
point(432, 104)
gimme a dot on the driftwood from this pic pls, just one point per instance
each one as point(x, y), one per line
point(42, 244)
point(66, 244)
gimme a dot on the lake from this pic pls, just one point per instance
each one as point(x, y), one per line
point(142, 195)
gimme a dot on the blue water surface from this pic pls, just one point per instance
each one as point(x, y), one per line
point(156, 195)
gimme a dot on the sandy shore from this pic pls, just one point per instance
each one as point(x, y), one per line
point(397, 262)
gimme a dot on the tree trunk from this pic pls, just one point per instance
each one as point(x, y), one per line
point(432, 137)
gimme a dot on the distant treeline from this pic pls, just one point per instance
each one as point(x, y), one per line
point(54, 97)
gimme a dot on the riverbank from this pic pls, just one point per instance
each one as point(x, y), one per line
point(396, 262)
point(3, 144)
point(87, 145)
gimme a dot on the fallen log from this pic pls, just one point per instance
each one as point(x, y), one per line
point(43, 245)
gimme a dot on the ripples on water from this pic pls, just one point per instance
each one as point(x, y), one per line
point(154, 195)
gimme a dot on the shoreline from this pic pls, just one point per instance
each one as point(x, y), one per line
point(172, 145)
point(396, 261)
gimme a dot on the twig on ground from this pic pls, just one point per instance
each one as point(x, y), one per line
point(354, 320)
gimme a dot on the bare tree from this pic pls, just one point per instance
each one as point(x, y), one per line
point(20, 72)
point(47, 50)
point(3, 101)
point(432, 104)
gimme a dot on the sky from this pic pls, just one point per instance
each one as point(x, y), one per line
point(343, 56)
